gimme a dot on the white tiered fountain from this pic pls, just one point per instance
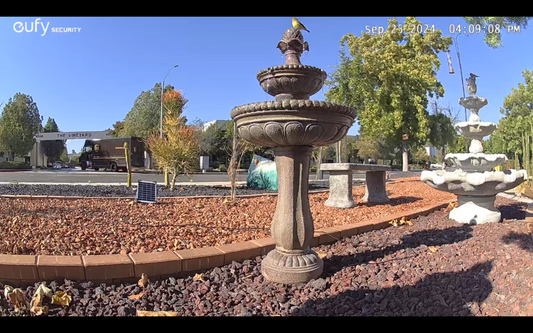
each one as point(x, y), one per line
point(473, 181)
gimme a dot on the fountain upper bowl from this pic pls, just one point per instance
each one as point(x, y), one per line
point(293, 122)
point(292, 81)
point(474, 103)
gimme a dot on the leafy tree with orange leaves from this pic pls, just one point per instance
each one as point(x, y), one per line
point(177, 151)
point(174, 102)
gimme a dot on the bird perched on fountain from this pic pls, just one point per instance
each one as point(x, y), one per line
point(471, 85)
point(298, 25)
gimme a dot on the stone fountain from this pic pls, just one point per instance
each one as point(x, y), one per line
point(473, 180)
point(292, 125)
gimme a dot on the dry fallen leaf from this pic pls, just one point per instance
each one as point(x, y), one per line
point(36, 305)
point(433, 249)
point(44, 291)
point(143, 282)
point(395, 223)
point(248, 276)
point(198, 277)
point(138, 296)
point(141, 313)
point(61, 298)
point(452, 205)
point(322, 255)
point(199, 205)
point(404, 220)
point(16, 297)
point(528, 226)
point(229, 202)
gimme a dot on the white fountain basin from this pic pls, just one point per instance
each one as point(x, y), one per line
point(474, 103)
point(477, 184)
point(476, 162)
point(476, 129)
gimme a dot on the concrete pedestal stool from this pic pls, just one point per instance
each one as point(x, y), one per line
point(340, 183)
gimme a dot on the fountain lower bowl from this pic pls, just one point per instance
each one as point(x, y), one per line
point(292, 81)
point(293, 122)
point(479, 184)
point(475, 162)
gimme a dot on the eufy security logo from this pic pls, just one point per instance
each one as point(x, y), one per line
point(38, 26)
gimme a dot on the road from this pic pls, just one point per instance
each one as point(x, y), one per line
point(74, 176)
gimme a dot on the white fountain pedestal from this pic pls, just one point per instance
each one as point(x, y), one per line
point(475, 210)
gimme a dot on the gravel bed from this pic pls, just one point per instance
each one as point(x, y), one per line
point(435, 267)
point(95, 226)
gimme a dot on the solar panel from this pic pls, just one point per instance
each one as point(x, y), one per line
point(146, 191)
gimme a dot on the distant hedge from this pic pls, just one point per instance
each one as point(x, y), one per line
point(13, 165)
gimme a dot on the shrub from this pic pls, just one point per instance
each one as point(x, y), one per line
point(13, 165)
point(223, 168)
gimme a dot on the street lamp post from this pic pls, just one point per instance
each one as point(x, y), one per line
point(162, 90)
point(456, 44)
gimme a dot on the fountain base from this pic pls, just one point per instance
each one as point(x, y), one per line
point(475, 210)
point(291, 267)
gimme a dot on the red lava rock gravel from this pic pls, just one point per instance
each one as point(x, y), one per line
point(435, 267)
point(111, 226)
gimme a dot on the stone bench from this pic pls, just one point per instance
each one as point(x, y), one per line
point(340, 183)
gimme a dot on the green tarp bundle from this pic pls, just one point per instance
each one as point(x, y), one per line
point(263, 174)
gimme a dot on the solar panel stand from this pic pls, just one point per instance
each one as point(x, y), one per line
point(146, 191)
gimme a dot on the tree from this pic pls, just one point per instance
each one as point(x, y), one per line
point(495, 25)
point(118, 128)
point(177, 151)
point(175, 102)
point(215, 142)
point(516, 127)
point(19, 123)
point(239, 147)
point(143, 118)
point(420, 155)
point(53, 149)
point(368, 148)
point(388, 78)
point(64, 156)
point(441, 130)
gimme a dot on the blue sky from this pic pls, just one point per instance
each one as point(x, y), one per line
point(88, 79)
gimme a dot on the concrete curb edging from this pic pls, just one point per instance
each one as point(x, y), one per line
point(21, 270)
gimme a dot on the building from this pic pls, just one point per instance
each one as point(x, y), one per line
point(220, 124)
point(431, 151)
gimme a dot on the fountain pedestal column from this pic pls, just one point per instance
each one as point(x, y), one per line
point(475, 210)
point(292, 261)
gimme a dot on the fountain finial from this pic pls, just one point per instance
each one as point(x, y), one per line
point(292, 45)
point(471, 85)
